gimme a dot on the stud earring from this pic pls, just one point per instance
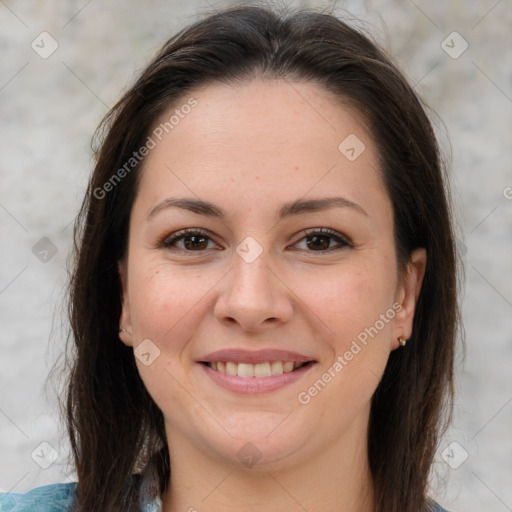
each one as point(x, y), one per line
point(402, 341)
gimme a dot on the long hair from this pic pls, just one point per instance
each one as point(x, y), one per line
point(116, 430)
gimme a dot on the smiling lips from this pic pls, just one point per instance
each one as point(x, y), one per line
point(266, 369)
point(257, 364)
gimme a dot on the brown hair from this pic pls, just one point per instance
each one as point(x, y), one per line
point(116, 429)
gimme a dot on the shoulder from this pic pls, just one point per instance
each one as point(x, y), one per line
point(437, 508)
point(48, 498)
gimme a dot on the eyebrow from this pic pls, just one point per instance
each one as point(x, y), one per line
point(297, 207)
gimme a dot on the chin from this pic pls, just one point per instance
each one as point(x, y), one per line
point(260, 441)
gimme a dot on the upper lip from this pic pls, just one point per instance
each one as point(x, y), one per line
point(237, 355)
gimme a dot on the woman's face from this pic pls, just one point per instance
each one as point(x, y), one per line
point(289, 260)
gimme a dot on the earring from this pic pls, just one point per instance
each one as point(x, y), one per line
point(122, 330)
point(402, 341)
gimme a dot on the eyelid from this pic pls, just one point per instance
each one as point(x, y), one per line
point(343, 241)
point(325, 231)
point(165, 240)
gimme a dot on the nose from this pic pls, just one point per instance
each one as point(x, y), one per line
point(253, 297)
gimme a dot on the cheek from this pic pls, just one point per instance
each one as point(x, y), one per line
point(166, 301)
point(167, 306)
point(356, 306)
point(347, 299)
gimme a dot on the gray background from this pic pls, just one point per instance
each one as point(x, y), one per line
point(51, 106)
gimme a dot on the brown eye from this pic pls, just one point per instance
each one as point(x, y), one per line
point(324, 240)
point(187, 241)
point(193, 242)
point(318, 242)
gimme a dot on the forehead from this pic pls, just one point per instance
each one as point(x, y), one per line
point(272, 136)
point(268, 110)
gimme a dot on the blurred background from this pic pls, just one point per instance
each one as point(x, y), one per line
point(64, 64)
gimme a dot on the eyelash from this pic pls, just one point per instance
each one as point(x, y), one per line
point(169, 242)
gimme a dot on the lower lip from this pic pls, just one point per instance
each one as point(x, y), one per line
point(255, 385)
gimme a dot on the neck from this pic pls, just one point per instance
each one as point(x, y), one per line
point(335, 479)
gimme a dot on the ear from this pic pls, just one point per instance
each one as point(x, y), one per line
point(407, 295)
point(125, 325)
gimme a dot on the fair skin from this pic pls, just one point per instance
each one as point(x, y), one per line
point(249, 149)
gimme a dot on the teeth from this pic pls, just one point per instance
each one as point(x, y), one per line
point(276, 367)
point(288, 366)
point(245, 370)
point(231, 368)
point(262, 370)
point(266, 369)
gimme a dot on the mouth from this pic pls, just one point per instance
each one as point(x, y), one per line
point(254, 372)
point(259, 370)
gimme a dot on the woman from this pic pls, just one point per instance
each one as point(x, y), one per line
point(264, 300)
